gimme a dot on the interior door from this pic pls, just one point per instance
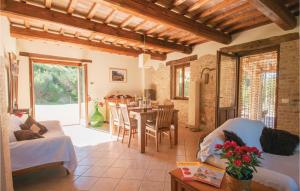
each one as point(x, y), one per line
point(227, 91)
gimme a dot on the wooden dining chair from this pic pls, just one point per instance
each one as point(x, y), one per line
point(129, 125)
point(117, 120)
point(162, 125)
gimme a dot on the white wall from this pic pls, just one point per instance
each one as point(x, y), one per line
point(7, 44)
point(98, 70)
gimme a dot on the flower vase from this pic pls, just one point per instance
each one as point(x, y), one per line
point(237, 185)
point(97, 118)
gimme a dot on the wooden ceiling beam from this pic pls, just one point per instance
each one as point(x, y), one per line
point(276, 12)
point(178, 2)
point(126, 21)
point(110, 16)
point(18, 32)
point(156, 13)
point(71, 6)
point(215, 8)
point(228, 13)
point(251, 23)
point(92, 11)
point(22, 10)
point(48, 3)
point(197, 5)
point(247, 15)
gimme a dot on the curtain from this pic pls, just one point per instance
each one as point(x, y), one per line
point(258, 87)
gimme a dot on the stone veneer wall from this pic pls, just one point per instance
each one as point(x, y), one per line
point(161, 83)
point(207, 91)
point(288, 88)
point(288, 113)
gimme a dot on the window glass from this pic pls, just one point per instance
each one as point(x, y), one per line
point(186, 81)
point(179, 83)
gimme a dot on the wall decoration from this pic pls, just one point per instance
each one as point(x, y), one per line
point(117, 75)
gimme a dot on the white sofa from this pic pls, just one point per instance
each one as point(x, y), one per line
point(278, 172)
point(54, 147)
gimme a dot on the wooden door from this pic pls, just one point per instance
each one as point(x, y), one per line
point(227, 87)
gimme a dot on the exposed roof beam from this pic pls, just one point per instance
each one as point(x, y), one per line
point(197, 5)
point(92, 11)
point(48, 3)
point(71, 6)
point(228, 13)
point(150, 11)
point(22, 10)
point(276, 12)
point(213, 9)
point(41, 35)
point(178, 2)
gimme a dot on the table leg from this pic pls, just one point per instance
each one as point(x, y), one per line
point(141, 120)
point(175, 128)
point(111, 125)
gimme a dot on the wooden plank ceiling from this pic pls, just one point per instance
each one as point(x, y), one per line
point(131, 27)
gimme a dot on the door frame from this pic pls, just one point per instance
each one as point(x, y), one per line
point(218, 72)
point(261, 51)
point(56, 62)
point(238, 55)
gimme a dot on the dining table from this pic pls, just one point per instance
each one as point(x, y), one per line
point(142, 115)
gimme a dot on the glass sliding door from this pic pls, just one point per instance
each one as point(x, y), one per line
point(56, 93)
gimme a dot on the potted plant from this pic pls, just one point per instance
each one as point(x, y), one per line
point(241, 163)
point(97, 118)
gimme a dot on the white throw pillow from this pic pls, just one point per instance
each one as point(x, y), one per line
point(14, 125)
point(248, 130)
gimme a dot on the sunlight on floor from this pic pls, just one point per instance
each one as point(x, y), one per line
point(82, 136)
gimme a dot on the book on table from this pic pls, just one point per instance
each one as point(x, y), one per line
point(201, 172)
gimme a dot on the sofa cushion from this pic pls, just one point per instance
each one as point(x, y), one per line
point(22, 135)
point(231, 136)
point(14, 125)
point(31, 123)
point(278, 142)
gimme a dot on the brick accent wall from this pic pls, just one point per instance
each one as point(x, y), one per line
point(288, 88)
point(207, 65)
point(288, 113)
point(161, 83)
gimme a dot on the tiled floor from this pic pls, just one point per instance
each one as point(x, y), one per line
point(107, 165)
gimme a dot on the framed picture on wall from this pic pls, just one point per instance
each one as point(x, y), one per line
point(117, 75)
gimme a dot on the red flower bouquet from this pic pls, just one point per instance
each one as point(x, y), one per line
point(241, 160)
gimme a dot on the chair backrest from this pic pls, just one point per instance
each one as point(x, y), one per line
point(114, 112)
point(125, 114)
point(168, 102)
point(164, 117)
point(165, 107)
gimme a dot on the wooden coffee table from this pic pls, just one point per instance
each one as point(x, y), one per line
point(177, 184)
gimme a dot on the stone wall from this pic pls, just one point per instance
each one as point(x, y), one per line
point(206, 65)
point(288, 89)
point(161, 83)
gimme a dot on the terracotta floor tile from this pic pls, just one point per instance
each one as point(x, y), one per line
point(137, 174)
point(114, 172)
point(105, 184)
point(95, 171)
point(111, 165)
point(152, 186)
point(155, 175)
point(81, 169)
point(85, 183)
point(128, 185)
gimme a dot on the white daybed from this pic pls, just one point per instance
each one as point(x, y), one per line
point(278, 172)
point(55, 149)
